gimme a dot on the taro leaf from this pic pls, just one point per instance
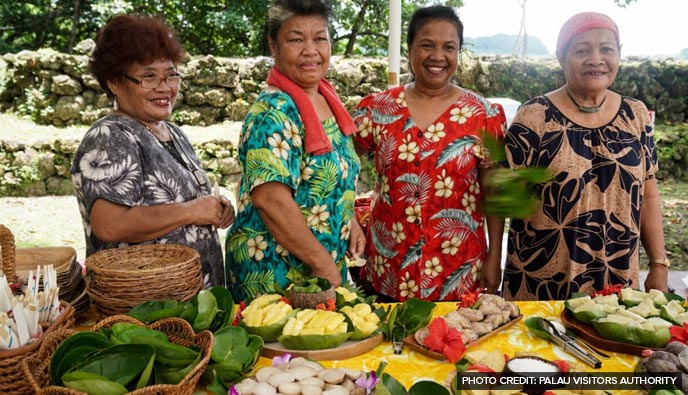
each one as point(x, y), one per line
point(415, 314)
point(173, 375)
point(313, 342)
point(657, 338)
point(225, 303)
point(92, 383)
point(79, 339)
point(121, 363)
point(226, 340)
point(154, 310)
point(255, 345)
point(532, 323)
point(169, 354)
point(427, 387)
point(228, 371)
point(207, 308)
point(216, 386)
point(391, 385)
point(123, 333)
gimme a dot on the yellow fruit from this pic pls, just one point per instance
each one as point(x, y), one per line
point(348, 295)
point(333, 322)
point(305, 315)
point(362, 309)
point(313, 331)
point(293, 327)
point(275, 312)
point(264, 300)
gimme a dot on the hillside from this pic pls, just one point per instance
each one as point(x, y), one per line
point(503, 44)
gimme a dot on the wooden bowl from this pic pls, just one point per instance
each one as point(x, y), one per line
point(309, 300)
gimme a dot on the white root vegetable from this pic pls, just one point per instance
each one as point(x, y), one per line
point(265, 373)
point(246, 386)
point(292, 388)
point(263, 388)
point(332, 376)
point(280, 378)
point(311, 390)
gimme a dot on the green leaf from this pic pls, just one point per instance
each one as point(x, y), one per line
point(225, 303)
point(81, 339)
point(166, 353)
point(426, 387)
point(207, 309)
point(121, 363)
point(173, 374)
point(313, 342)
point(415, 314)
point(532, 324)
point(122, 333)
point(93, 384)
point(154, 310)
point(392, 385)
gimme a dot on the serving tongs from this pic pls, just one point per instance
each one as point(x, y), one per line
point(562, 340)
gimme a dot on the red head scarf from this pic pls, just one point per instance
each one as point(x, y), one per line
point(581, 23)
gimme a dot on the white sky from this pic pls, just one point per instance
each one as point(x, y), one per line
point(646, 27)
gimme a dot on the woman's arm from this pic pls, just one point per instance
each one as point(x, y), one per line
point(284, 220)
point(113, 222)
point(652, 236)
point(491, 273)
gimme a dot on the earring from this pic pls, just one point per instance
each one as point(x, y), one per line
point(115, 106)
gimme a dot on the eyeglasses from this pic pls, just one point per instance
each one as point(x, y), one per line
point(153, 82)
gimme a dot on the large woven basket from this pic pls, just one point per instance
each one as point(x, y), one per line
point(121, 278)
point(37, 367)
point(12, 380)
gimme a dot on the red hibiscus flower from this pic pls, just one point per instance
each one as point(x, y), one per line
point(238, 316)
point(608, 289)
point(468, 299)
point(445, 340)
point(679, 333)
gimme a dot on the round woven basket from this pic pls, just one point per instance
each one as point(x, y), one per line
point(12, 380)
point(121, 278)
point(37, 367)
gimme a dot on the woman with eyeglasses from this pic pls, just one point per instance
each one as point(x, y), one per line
point(137, 178)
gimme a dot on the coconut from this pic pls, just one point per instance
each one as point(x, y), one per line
point(310, 300)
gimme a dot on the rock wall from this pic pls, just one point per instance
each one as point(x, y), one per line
point(56, 88)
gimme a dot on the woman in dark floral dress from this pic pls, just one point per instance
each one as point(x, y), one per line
point(603, 200)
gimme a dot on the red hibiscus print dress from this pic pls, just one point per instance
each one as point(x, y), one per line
point(426, 236)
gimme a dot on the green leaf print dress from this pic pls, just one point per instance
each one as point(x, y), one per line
point(271, 149)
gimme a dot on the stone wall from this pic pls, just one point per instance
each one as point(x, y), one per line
point(56, 88)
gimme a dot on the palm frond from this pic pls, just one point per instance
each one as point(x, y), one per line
point(413, 254)
point(454, 280)
point(454, 150)
point(258, 282)
point(457, 214)
point(383, 241)
point(324, 180)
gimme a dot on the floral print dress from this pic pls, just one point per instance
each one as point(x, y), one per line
point(271, 149)
point(426, 236)
point(586, 231)
point(121, 161)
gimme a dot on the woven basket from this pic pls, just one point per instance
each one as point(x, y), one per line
point(12, 380)
point(37, 367)
point(121, 278)
point(18, 262)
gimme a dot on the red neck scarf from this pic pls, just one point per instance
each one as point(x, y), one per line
point(316, 142)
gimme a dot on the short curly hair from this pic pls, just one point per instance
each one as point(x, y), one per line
point(129, 39)
point(281, 10)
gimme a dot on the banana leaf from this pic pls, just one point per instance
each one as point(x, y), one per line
point(657, 338)
point(313, 342)
point(93, 384)
point(532, 323)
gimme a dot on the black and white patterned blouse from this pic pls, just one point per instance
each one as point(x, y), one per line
point(121, 161)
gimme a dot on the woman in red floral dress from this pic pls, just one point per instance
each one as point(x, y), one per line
point(426, 236)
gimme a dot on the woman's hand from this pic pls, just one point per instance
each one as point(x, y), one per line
point(329, 271)
point(491, 274)
point(657, 278)
point(211, 210)
point(357, 240)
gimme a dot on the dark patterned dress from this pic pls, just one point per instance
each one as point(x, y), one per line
point(120, 161)
point(426, 236)
point(586, 231)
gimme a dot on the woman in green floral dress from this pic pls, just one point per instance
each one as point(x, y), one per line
point(299, 167)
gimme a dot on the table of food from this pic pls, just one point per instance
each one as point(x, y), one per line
point(311, 338)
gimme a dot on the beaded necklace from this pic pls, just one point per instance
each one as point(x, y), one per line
point(585, 108)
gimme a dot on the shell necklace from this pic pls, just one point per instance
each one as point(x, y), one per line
point(585, 108)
